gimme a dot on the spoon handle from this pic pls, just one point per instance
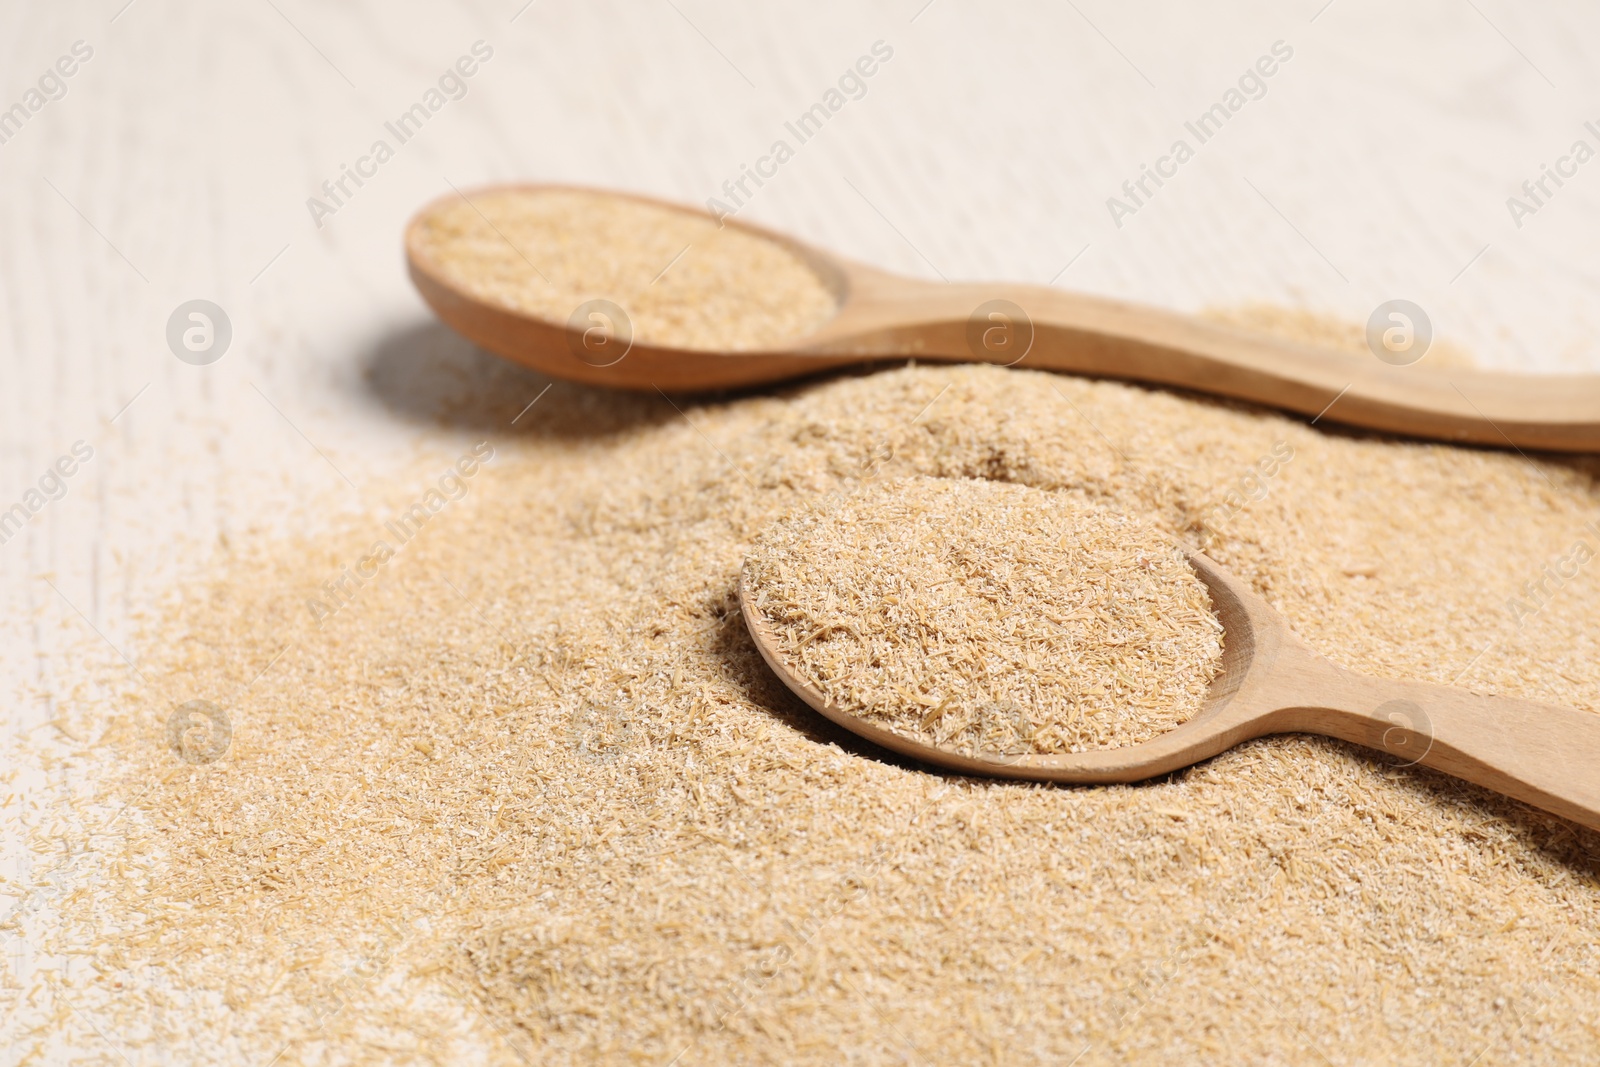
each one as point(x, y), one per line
point(1093, 335)
point(1082, 334)
point(1541, 754)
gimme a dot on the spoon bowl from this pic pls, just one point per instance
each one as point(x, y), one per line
point(887, 317)
point(1270, 683)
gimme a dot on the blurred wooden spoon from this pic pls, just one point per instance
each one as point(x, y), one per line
point(887, 317)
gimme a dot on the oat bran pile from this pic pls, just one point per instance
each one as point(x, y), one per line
point(531, 796)
point(988, 617)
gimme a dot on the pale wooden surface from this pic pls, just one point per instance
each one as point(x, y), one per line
point(179, 162)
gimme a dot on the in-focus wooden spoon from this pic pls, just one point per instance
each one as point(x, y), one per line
point(884, 316)
point(1271, 683)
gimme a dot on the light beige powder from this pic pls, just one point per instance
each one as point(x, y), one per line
point(982, 617)
point(683, 281)
point(533, 796)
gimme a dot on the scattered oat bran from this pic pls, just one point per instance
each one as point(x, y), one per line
point(683, 281)
point(628, 843)
point(984, 617)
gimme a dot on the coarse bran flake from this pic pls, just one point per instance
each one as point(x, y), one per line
point(683, 281)
point(534, 797)
point(985, 617)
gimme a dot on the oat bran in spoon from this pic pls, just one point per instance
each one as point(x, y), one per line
point(989, 617)
point(681, 279)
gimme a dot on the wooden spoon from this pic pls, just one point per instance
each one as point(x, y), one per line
point(883, 316)
point(1272, 683)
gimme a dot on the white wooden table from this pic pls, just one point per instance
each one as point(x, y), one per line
point(176, 162)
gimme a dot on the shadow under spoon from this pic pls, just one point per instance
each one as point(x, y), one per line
point(1271, 682)
point(886, 317)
